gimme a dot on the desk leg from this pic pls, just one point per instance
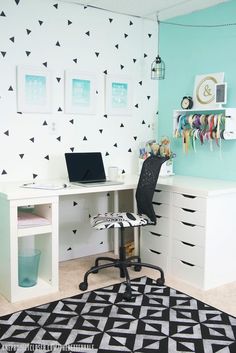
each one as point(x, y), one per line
point(136, 229)
point(116, 230)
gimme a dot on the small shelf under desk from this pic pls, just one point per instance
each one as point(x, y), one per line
point(20, 230)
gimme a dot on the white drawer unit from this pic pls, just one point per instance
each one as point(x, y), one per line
point(161, 196)
point(189, 232)
point(154, 248)
point(188, 272)
point(189, 215)
point(154, 242)
point(201, 227)
point(188, 252)
point(189, 201)
point(162, 226)
point(161, 209)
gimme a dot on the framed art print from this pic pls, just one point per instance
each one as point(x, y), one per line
point(80, 93)
point(204, 90)
point(118, 95)
point(33, 90)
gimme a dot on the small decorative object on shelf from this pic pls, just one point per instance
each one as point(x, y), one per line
point(161, 149)
point(187, 102)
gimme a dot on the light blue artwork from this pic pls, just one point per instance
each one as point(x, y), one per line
point(119, 95)
point(81, 93)
point(35, 90)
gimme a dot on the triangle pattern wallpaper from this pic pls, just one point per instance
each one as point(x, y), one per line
point(56, 37)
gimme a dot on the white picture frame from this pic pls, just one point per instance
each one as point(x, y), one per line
point(204, 90)
point(34, 89)
point(221, 93)
point(118, 95)
point(80, 92)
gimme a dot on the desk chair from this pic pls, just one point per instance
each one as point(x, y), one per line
point(146, 216)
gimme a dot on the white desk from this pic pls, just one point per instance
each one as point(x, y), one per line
point(46, 202)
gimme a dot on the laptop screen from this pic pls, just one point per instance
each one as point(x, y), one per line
point(85, 167)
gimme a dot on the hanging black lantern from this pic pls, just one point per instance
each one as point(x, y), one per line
point(158, 65)
point(158, 69)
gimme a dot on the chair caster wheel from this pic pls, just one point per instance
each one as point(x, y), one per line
point(83, 286)
point(127, 295)
point(137, 268)
point(160, 281)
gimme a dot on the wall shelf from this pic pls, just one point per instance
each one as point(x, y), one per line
point(229, 132)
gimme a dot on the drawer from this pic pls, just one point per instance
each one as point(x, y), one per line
point(189, 232)
point(188, 252)
point(189, 216)
point(161, 209)
point(161, 196)
point(189, 201)
point(154, 241)
point(162, 226)
point(187, 272)
point(154, 258)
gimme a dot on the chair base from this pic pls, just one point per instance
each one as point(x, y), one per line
point(122, 264)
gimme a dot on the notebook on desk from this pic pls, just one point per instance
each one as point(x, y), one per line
point(87, 169)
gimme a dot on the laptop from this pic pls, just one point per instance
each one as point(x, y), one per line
point(87, 169)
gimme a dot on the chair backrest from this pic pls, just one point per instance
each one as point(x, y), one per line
point(146, 185)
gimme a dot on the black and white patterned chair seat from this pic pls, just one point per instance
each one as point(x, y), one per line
point(118, 220)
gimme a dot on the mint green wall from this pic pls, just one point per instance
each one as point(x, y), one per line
point(188, 52)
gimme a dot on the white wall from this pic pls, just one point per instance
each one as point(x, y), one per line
point(21, 32)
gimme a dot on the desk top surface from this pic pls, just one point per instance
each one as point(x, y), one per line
point(14, 190)
point(177, 183)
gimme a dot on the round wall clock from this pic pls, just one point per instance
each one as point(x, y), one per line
point(205, 91)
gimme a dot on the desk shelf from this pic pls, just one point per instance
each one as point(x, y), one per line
point(39, 230)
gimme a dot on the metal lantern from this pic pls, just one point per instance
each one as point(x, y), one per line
point(158, 69)
point(158, 65)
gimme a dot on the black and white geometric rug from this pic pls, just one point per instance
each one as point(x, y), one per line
point(156, 320)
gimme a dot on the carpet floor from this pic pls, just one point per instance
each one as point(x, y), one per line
point(158, 319)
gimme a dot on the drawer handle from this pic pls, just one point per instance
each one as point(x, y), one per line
point(188, 210)
point(157, 234)
point(187, 263)
point(189, 224)
point(157, 203)
point(189, 196)
point(188, 244)
point(155, 252)
point(157, 216)
point(156, 190)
